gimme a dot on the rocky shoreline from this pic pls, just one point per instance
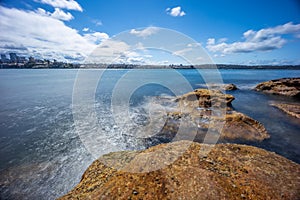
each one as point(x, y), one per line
point(285, 86)
point(290, 109)
point(178, 170)
point(229, 171)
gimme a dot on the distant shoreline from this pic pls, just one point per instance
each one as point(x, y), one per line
point(130, 66)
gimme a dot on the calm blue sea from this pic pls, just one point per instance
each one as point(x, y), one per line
point(41, 153)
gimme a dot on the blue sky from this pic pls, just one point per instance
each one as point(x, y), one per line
point(232, 31)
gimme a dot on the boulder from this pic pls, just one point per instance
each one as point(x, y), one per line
point(230, 86)
point(285, 86)
point(291, 109)
point(205, 98)
point(227, 171)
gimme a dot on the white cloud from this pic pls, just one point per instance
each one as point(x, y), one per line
point(222, 40)
point(196, 44)
point(182, 52)
point(42, 35)
point(211, 41)
point(218, 55)
point(60, 14)
point(140, 46)
point(109, 51)
point(96, 37)
point(262, 40)
point(145, 32)
point(132, 57)
point(175, 12)
point(57, 14)
point(97, 22)
point(85, 29)
point(43, 12)
point(66, 4)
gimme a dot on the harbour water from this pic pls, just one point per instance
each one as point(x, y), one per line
point(43, 157)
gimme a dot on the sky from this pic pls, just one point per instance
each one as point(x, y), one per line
point(249, 32)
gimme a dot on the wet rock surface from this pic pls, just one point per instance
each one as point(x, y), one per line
point(285, 86)
point(233, 127)
point(205, 98)
point(206, 116)
point(290, 109)
point(230, 86)
point(225, 86)
point(228, 171)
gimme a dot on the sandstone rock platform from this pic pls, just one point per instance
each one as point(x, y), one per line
point(206, 110)
point(228, 171)
point(291, 109)
point(285, 86)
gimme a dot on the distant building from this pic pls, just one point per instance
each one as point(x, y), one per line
point(21, 59)
point(31, 59)
point(13, 57)
point(3, 58)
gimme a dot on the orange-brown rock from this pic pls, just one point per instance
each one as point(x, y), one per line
point(291, 109)
point(195, 109)
point(233, 126)
point(285, 86)
point(228, 171)
point(205, 98)
point(228, 86)
point(240, 126)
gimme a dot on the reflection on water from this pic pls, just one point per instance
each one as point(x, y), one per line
point(41, 155)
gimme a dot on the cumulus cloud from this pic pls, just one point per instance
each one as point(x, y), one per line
point(42, 35)
point(39, 34)
point(57, 14)
point(175, 12)
point(131, 57)
point(85, 29)
point(60, 14)
point(262, 40)
point(43, 12)
point(145, 32)
point(95, 37)
point(65, 4)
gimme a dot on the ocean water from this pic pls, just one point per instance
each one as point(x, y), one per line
point(44, 148)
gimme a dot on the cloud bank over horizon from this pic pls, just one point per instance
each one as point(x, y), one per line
point(263, 40)
point(44, 34)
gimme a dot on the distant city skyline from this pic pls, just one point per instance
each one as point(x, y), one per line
point(232, 32)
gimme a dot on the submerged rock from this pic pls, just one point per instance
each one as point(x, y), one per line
point(291, 109)
point(228, 171)
point(285, 86)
